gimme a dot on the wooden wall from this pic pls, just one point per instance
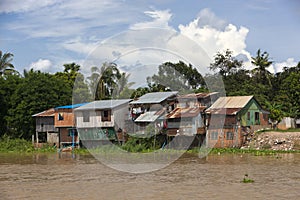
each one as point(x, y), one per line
point(68, 118)
point(64, 136)
point(45, 124)
point(222, 141)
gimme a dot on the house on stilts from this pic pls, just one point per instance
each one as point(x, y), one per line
point(230, 120)
point(186, 123)
point(45, 131)
point(148, 112)
point(100, 122)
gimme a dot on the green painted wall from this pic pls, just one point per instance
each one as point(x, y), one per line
point(252, 107)
point(96, 134)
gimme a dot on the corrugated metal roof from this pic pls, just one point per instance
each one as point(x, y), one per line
point(46, 113)
point(197, 95)
point(70, 106)
point(149, 116)
point(185, 112)
point(224, 111)
point(231, 102)
point(103, 104)
point(154, 97)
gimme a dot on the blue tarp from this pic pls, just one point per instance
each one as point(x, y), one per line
point(70, 106)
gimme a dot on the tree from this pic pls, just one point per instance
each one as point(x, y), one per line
point(289, 94)
point(262, 62)
point(178, 77)
point(140, 92)
point(69, 74)
point(75, 81)
point(225, 63)
point(5, 63)
point(123, 87)
point(35, 92)
point(7, 88)
point(103, 81)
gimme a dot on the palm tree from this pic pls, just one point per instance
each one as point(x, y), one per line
point(103, 81)
point(262, 62)
point(123, 85)
point(5, 63)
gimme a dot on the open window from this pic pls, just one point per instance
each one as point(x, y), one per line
point(257, 121)
point(60, 116)
point(106, 116)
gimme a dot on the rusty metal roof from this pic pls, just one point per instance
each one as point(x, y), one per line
point(231, 102)
point(46, 113)
point(197, 95)
point(229, 105)
point(185, 112)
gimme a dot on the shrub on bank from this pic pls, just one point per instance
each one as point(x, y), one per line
point(15, 145)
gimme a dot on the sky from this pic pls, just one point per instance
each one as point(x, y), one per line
point(139, 34)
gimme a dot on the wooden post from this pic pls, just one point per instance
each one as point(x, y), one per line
point(37, 139)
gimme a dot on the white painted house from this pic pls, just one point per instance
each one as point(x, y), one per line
point(100, 120)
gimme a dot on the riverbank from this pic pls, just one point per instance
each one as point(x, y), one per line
point(263, 143)
point(276, 140)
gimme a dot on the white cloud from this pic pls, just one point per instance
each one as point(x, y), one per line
point(8, 6)
point(79, 46)
point(278, 67)
point(159, 19)
point(213, 39)
point(43, 65)
point(70, 18)
point(207, 17)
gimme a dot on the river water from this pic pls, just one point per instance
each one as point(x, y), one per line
point(67, 176)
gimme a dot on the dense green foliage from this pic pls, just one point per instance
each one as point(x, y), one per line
point(35, 91)
point(277, 93)
point(15, 145)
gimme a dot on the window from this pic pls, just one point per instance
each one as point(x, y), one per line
point(256, 117)
point(86, 116)
point(214, 135)
point(106, 115)
point(229, 136)
point(248, 115)
point(60, 116)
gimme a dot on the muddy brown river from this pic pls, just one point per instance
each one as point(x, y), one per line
point(63, 176)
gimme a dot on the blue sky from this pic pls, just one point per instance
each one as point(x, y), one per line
point(46, 34)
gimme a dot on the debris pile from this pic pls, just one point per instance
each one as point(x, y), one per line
point(285, 141)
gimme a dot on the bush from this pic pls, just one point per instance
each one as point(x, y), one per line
point(15, 145)
point(135, 144)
